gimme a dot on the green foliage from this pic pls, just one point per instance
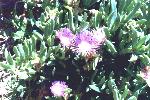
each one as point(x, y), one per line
point(36, 57)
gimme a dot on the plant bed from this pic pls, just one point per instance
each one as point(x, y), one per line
point(74, 49)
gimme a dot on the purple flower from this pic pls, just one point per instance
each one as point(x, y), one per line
point(65, 35)
point(58, 88)
point(145, 74)
point(84, 44)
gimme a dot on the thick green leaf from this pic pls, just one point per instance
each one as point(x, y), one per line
point(125, 93)
point(5, 66)
point(52, 26)
point(42, 48)
point(122, 4)
point(33, 38)
point(47, 30)
point(102, 81)
point(111, 47)
point(50, 40)
point(38, 35)
point(16, 51)
point(98, 18)
point(132, 98)
point(71, 22)
point(140, 42)
point(26, 49)
point(8, 57)
point(107, 32)
point(147, 39)
point(111, 83)
point(114, 12)
point(42, 18)
point(94, 87)
point(116, 94)
point(132, 13)
point(128, 2)
point(22, 53)
point(116, 24)
point(145, 59)
point(49, 52)
point(18, 35)
point(30, 47)
point(141, 21)
point(43, 52)
point(95, 62)
point(110, 19)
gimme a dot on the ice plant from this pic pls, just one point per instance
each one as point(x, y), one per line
point(58, 88)
point(65, 36)
point(84, 44)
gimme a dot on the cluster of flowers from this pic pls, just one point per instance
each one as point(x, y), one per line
point(85, 43)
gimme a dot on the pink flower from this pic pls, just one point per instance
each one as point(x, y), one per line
point(145, 74)
point(58, 88)
point(65, 36)
point(84, 44)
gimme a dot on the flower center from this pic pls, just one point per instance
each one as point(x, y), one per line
point(65, 41)
point(84, 47)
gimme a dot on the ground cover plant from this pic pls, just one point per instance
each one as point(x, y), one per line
point(75, 49)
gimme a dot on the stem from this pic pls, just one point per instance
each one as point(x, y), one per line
point(94, 74)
